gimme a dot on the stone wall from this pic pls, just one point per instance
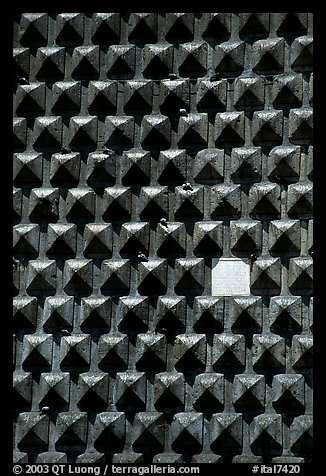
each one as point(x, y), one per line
point(145, 146)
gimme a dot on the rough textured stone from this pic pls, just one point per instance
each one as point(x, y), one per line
point(145, 145)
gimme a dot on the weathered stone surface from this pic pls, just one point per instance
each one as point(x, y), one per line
point(147, 145)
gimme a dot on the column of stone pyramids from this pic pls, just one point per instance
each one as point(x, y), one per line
point(145, 145)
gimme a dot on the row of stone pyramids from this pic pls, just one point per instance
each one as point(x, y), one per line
point(190, 355)
point(157, 132)
point(154, 278)
point(168, 315)
point(178, 27)
point(172, 167)
point(284, 237)
point(46, 204)
point(149, 429)
point(160, 60)
point(250, 93)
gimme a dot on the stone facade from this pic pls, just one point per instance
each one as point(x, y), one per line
point(145, 145)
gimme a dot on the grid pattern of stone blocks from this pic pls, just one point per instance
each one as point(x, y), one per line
point(145, 145)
